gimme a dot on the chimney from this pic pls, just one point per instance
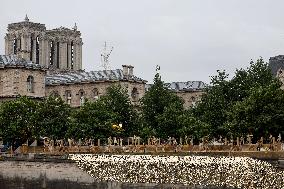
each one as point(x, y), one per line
point(130, 70)
point(125, 70)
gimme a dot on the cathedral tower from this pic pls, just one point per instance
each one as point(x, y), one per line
point(57, 49)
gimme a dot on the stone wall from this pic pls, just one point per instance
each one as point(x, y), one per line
point(190, 97)
point(92, 91)
point(14, 82)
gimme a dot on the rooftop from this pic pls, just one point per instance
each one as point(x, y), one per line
point(186, 86)
point(15, 61)
point(72, 77)
point(183, 86)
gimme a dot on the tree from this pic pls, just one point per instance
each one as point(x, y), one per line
point(18, 120)
point(95, 119)
point(160, 108)
point(214, 105)
point(260, 114)
point(53, 117)
point(192, 127)
point(224, 94)
point(118, 103)
point(92, 120)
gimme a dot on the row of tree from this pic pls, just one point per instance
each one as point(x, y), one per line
point(252, 102)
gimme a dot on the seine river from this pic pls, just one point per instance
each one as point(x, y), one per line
point(39, 175)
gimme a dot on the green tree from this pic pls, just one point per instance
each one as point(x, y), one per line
point(18, 120)
point(95, 119)
point(92, 120)
point(53, 117)
point(118, 103)
point(192, 127)
point(223, 94)
point(160, 110)
point(260, 114)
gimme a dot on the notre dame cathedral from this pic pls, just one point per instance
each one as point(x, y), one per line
point(40, 62)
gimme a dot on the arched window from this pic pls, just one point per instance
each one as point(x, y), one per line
point(193, 101)
point(82, 97)
point(95, 93)
point(30, 84)
point(68, 96)
point(55, 94)
point(134, 94)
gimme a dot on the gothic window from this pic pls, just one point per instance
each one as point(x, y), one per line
point(37, 50)
point(134, 94)
point(67, 55)
point(95, 93)
point(58, 55)
point(30, 84)
point(31, 50)
point(51, 55)
point(72, 55)
point(15, 46)
point(82, 97)
point(68, 96)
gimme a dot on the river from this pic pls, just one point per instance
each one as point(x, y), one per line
point(49, 175)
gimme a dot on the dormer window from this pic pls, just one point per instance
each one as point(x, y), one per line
point(30, 84)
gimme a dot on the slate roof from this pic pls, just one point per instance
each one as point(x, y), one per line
point(275, 63)
point(14, 61)
point(186, 86)
point(183, 86)
point(72, 77)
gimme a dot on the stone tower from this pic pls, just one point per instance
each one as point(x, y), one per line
point(56, 49)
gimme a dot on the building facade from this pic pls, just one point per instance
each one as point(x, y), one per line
point(59, 49)
point(40, 62)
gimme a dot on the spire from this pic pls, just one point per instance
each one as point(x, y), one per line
point(26, 18)
point(75, 27)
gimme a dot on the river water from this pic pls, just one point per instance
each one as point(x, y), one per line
point(43, 175)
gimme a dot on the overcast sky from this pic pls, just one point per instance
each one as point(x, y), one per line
point(189, 39)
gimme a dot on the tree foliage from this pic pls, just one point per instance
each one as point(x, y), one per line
point(160, 110)
point(18, 120)
point(251, 102)
point(95, 119)
point(53, 117)
point(226, 99)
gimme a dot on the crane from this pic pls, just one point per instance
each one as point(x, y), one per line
point(106, 52)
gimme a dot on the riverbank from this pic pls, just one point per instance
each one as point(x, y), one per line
point(50, 175)
point(275, 158)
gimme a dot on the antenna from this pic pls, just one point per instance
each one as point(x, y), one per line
point(105, 56)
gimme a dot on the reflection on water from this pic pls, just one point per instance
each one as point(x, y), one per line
point(43, 183)
point(39, 175)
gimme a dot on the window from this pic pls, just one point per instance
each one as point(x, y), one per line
point(82, 97)
point(96, 93)
point(55, 94)
point(37, 50)
point(51, 54)
point(134, 94)
point(15, 46)
point(30, 84)
point(68, 96)
point(193, 101)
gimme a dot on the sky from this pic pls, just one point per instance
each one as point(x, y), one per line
point(188, 39)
